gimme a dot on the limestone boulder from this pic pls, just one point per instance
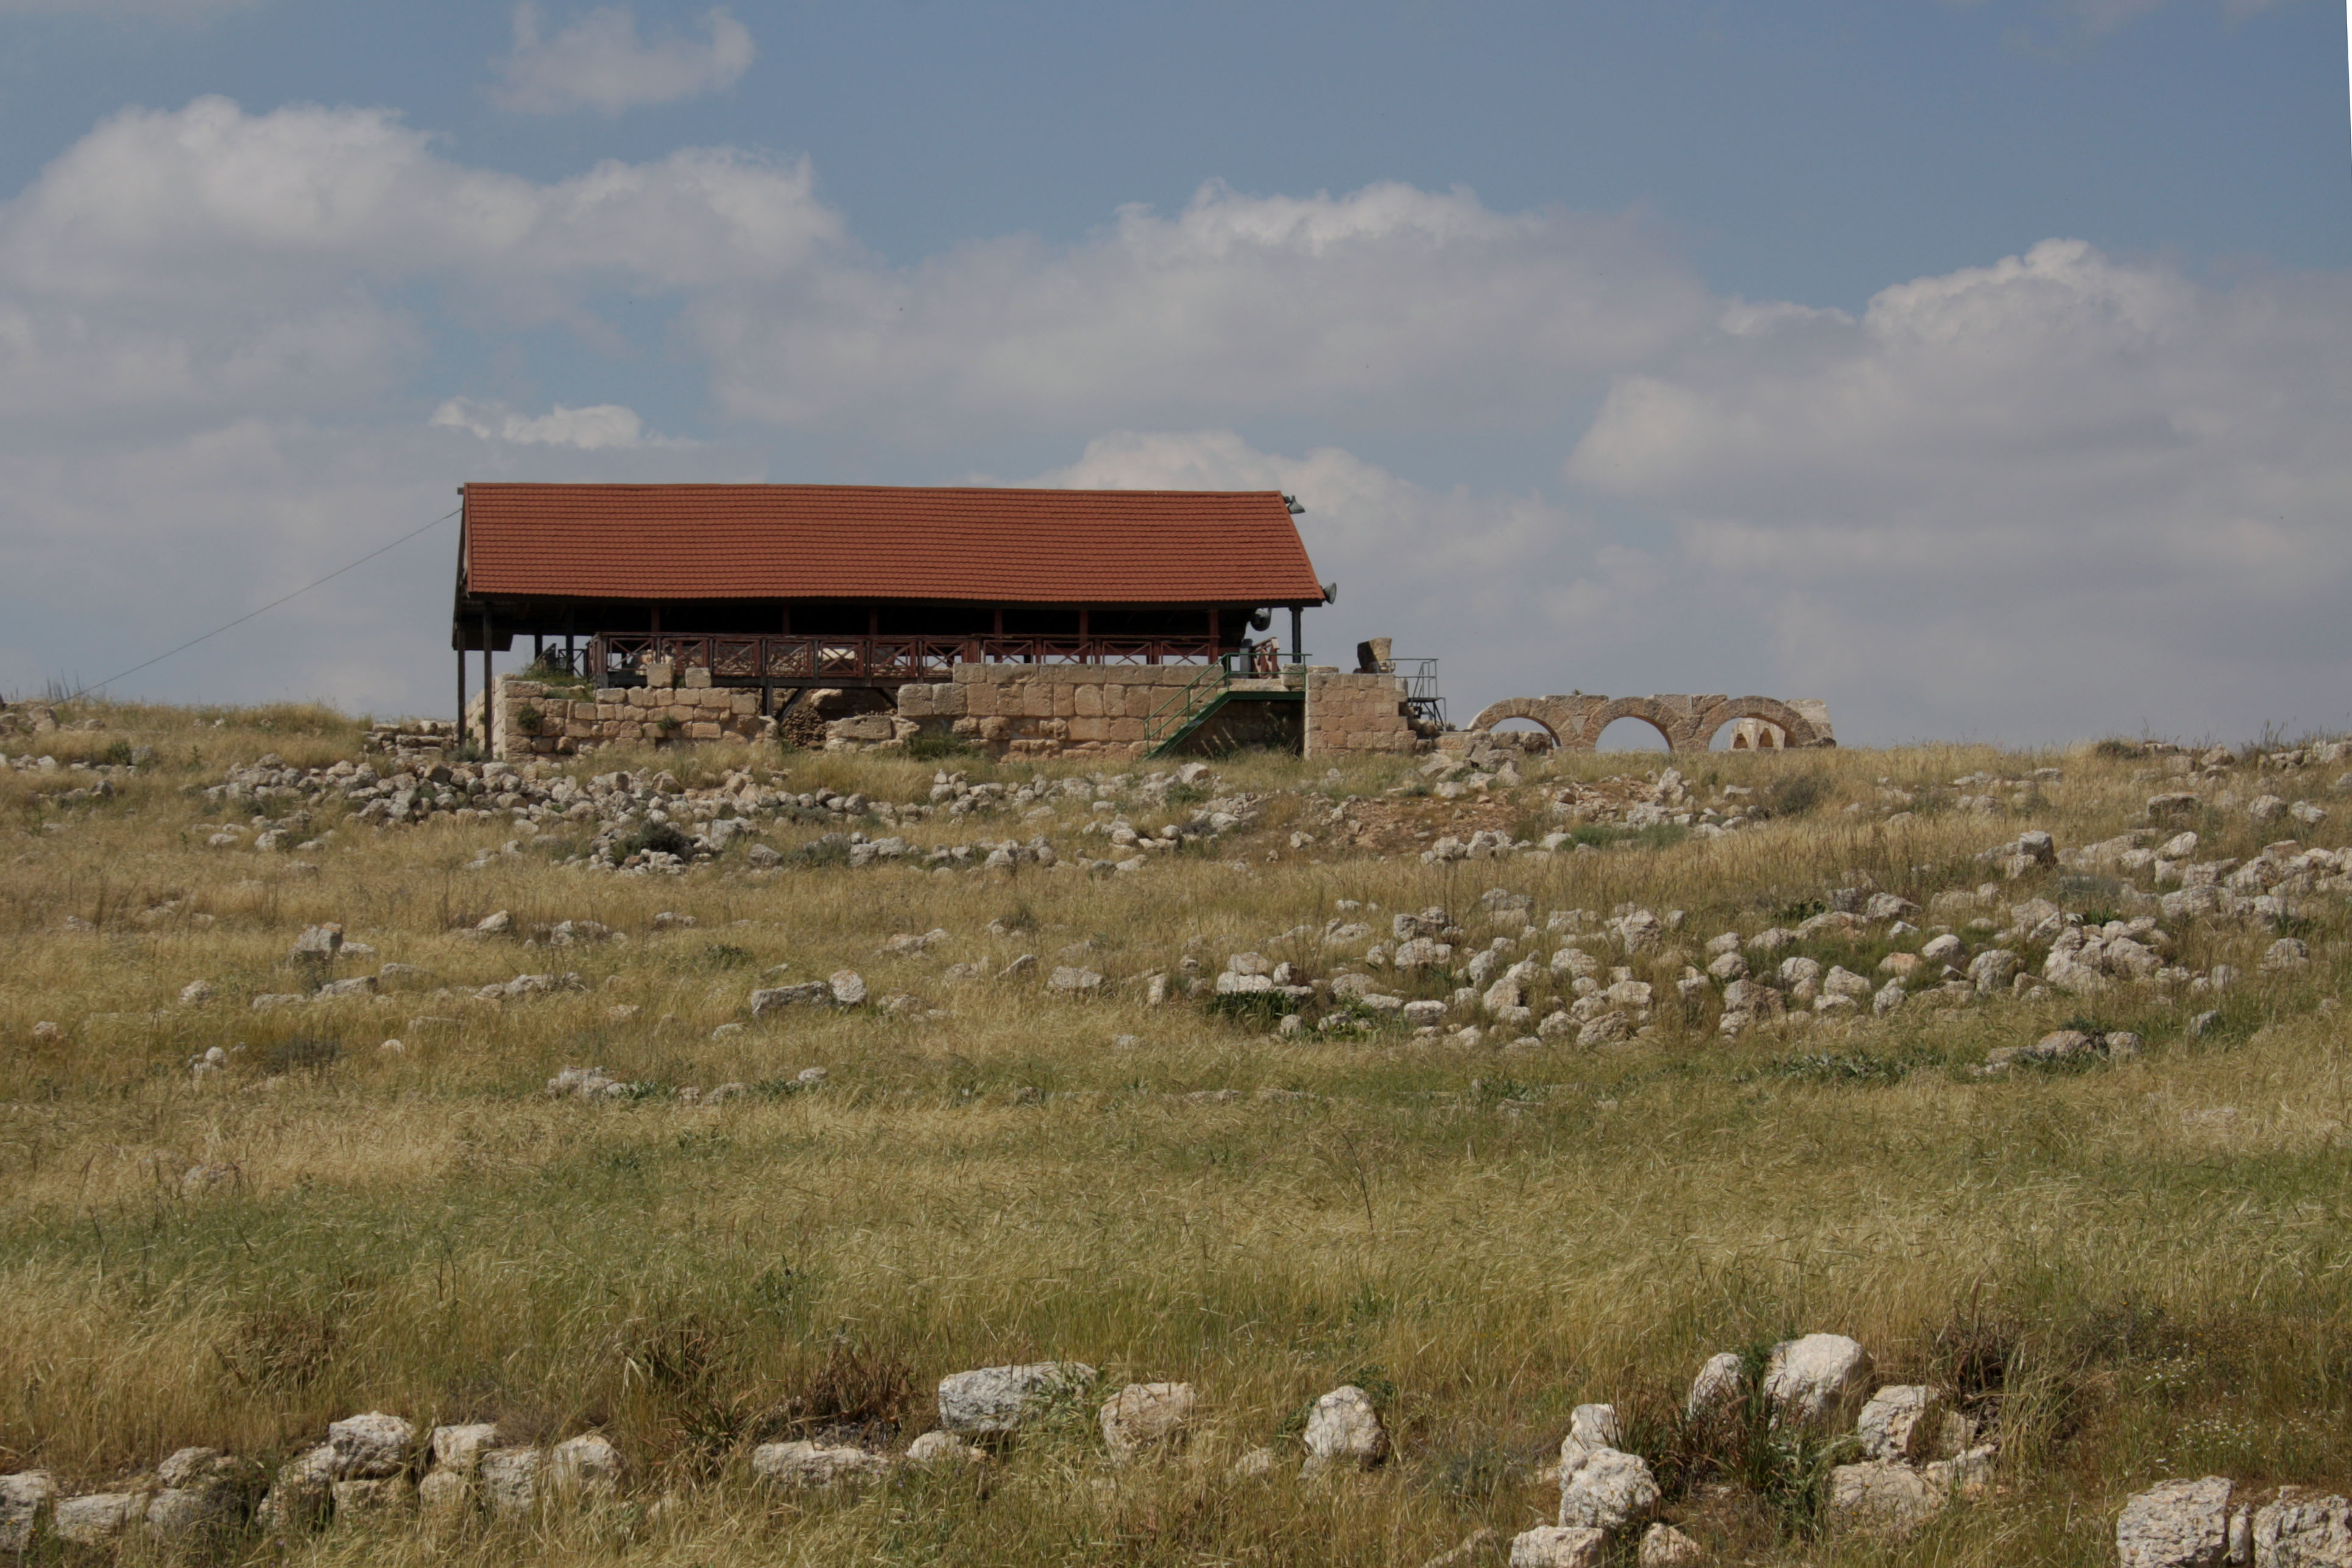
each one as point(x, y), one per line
point(1610, 1490)
point(302, 1493)
point(445, 1494)
point(807, 1466)
point(181, 1516)
point(2176, 1524)
point(1560, 1546)
point(1664, 1546)
point(1719, 1389)
point(942, 1447)
point(509, 1482)
point(1146, 1417)
point(97, 1519)
point(370, 1448)
point(1003, 1398)
point(1590, 1429)
point(1902, 1424)
point(1344, 1431)
point(26, 1498)
point(1818, 1380)
point(584, 1465)
point(1879, 1498)
point(2303, 1530)
point(459, 1448)
point(374, 1498)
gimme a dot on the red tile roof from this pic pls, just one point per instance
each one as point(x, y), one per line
point(873, 542)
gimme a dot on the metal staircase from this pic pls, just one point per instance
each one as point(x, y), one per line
point(1188, 710)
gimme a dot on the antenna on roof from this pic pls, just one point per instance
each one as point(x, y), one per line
point(1292, 502)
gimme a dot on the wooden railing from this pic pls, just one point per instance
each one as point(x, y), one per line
point(806, 658)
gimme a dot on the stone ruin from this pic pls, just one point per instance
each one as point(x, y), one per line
point(1575, 722)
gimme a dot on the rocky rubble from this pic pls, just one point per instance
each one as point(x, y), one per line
point(2209, 1523)
point(371, 1467)
point(643, 824)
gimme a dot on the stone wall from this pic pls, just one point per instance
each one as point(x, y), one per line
point(1013, 710)
point(532, 718)
point(1049, 710)
point(1351, 714)
point(1103, 709)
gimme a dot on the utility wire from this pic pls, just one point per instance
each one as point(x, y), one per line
point(100, 685)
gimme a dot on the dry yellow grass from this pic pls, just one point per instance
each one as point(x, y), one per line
point(2141, 1269)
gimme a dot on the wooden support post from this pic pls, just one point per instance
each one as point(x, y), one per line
point(489, 687)
point(1084, 654)
point(461, 694)
point(1297, 648)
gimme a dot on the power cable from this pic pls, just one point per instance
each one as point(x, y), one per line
point(101, 684)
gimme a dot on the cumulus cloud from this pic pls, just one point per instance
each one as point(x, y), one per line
point(206, 261)
point(604, 427)
point(2059, 493)
point(600, 63)
point(1387, 304)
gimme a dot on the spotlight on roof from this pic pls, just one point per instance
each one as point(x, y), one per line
point(1292, 502)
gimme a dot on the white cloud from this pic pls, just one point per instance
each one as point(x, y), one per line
point(600, 63)
point(206, 261)
point(2043, 498)
point(604, 427)
point(1388, 304)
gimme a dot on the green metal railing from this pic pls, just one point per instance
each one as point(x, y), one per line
point(1184, 704)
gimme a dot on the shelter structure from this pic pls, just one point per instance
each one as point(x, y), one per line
point(788, 588)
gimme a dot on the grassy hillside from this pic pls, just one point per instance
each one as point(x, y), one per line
point(2125, 1269)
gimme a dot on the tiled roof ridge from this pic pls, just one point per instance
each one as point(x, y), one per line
point(957, 543)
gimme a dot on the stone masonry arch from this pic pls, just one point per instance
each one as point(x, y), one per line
point(1563, 728)
point(1658, 712)
point(1798, 729)
point(1688, 724)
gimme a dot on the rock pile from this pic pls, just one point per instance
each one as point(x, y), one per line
point(371, 1467)
point(646, 824)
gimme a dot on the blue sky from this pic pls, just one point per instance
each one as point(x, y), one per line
point(1980, 367)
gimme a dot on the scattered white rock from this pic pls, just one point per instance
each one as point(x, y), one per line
point(1557, 1546)
point(1002, 1398)
point(26, 1498)
point(370, 1447)
point(1610, 1490)
point(1817, 1380)
point(2176, 1524)
point(1902, 1424)
point(1720, 1387)
point(811, 1465)
point(1344, 1431)
point(509, 1478)
point(1664, 1546)
point(1590, 1428)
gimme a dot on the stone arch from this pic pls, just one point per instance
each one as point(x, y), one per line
point(1795, 726)
point(1660, 716)
point(1537, 710)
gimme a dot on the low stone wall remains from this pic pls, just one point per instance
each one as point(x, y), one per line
point(1011, 710)
point(532, 719)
